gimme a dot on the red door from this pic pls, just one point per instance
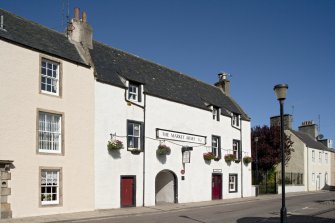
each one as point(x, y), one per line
point(216, 186)
point(127, 192)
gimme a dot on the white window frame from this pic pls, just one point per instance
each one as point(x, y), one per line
point(50, 186)
point(49, 132)
point(313, 177)
point(216, 142)
point(50, 77)
point(216, 113)
point(236, 148)
point(133, 92)
point(320, 157)
point(232, 183)
point(313, 156)
point(326, 158)
point(135, 134)
point(235, 120)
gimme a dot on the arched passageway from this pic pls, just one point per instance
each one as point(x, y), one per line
point(166, 187)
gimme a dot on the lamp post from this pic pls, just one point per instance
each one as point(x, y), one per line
point(280, 91)
point(256, 141)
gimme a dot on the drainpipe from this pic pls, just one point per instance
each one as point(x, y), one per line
point(307, 169)
point(144, 123)
point(241, 140)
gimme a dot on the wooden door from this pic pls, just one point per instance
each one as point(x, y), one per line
point(216, 186)
point(127, 191)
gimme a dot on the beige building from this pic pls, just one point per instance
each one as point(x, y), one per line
point(310, 162)
point(47, 122)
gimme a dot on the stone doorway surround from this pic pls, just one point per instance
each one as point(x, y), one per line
point(5, 190)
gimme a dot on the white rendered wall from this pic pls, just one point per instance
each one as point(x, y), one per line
point(198, 173)
point(111, 114)
point(319, 169)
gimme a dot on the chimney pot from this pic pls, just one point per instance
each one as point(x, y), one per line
point(77, 13)
point(84, 17)
point(224, 83)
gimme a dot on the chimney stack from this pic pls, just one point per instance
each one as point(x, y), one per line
point(79, 30)
point(224, 83)
point(310, 128)
point(275, 121)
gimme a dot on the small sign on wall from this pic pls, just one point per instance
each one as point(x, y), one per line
point(180, 136)
point(186, 156)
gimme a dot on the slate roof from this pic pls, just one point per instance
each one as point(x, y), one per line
point(310, 142)
point(37, 37)
point(159, 81)
point(112, 63)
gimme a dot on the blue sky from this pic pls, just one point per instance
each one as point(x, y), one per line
point(261, 43)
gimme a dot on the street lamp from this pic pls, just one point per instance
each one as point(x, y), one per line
point(280, 91)
point(256, 141)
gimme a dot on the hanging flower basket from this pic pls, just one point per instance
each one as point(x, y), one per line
point(163, 150)
point(114, 145)
point(247, 159)
point(229, 157)
point(208, 156)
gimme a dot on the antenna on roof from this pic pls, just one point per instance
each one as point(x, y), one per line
point(64, 24)
point(319, 120)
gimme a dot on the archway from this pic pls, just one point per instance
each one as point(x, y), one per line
point(166, 187)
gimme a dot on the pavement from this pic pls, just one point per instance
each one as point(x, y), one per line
point(119, 212)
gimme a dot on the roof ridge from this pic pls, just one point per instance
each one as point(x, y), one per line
point(33, 22)
point(310, 137)
point(157, 64)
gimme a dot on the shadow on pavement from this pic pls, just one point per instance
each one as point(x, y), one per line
point(290, 219)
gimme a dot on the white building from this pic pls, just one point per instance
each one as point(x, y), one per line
point(87, 92)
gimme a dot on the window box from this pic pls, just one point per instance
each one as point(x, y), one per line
point(163, 150)
point(135, 151)
point(208, 156)
point(114, 145)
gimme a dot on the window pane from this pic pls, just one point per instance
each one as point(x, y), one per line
point(49, 132)
point(49, 72)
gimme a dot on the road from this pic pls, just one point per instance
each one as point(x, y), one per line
point(318, 207)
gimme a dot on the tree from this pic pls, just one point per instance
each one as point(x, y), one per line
point(268, 147)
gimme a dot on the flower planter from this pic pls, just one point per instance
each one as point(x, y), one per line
point(114, 145)
point(208, 156)
point(136, 151)
point(163, 150)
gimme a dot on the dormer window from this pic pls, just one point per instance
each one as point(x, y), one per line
point(134, 92)
point(235, 120)
point(216, 113)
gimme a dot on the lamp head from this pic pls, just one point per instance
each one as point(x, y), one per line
point(280, 90)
